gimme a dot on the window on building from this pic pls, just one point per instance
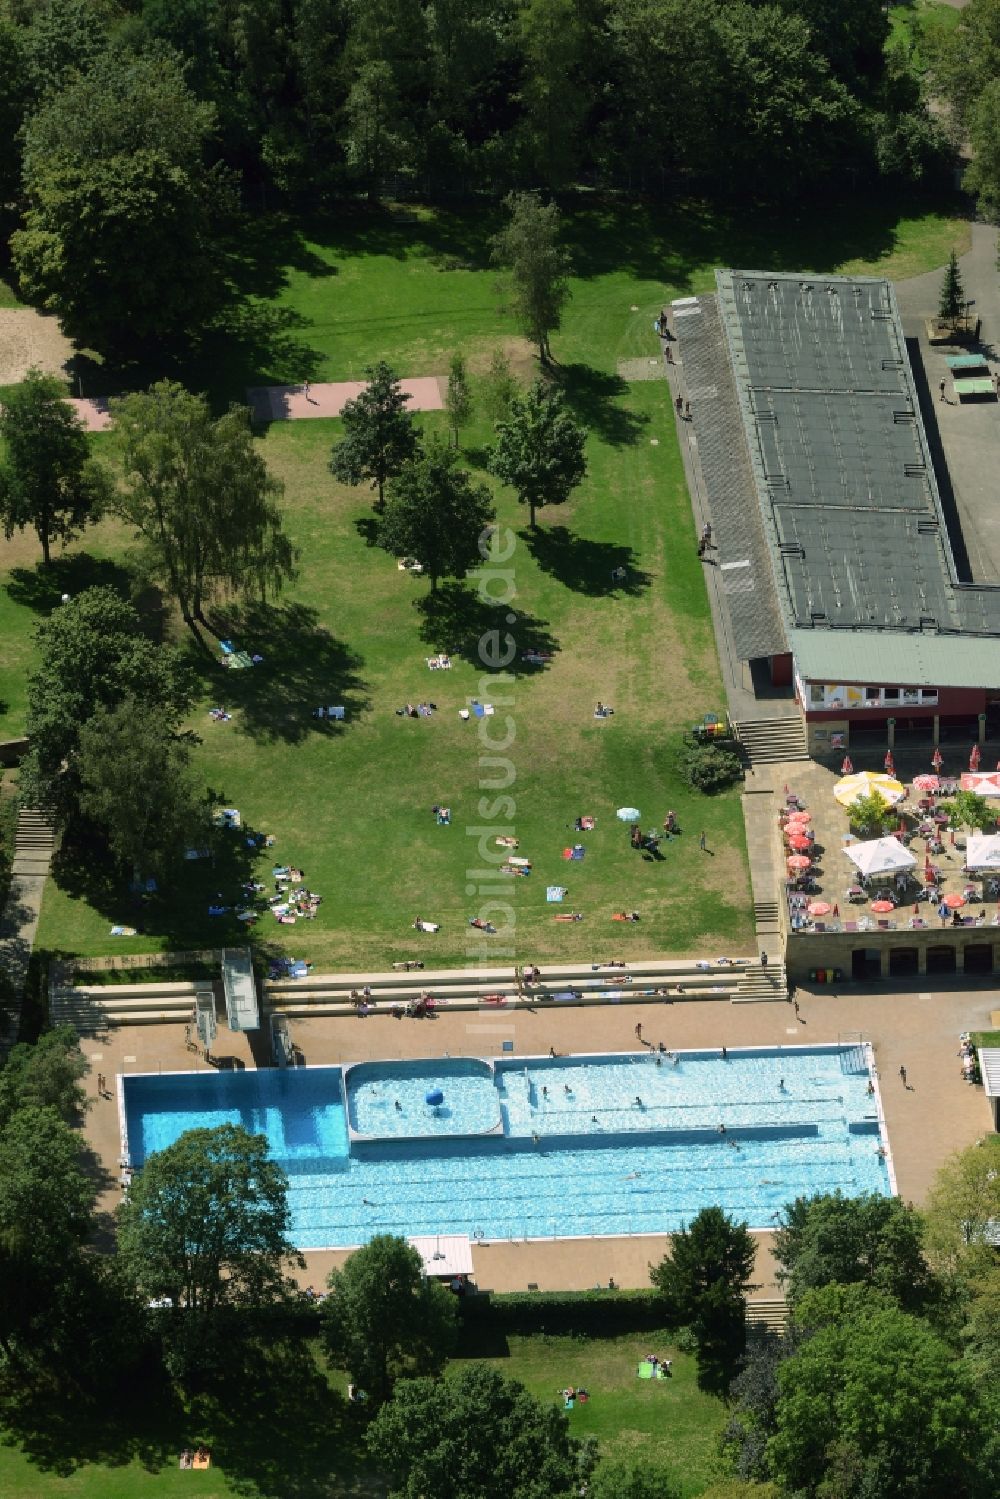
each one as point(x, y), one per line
point(890, 694)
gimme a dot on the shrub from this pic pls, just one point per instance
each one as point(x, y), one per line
point(711, 767)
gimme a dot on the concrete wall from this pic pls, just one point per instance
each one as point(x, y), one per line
point(805, 951)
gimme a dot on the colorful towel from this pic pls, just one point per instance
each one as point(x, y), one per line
point(123, 931)
point(555, 894)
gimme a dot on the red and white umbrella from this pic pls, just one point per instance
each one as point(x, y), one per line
point(890, 764)
point(953, 901)
point(798, 861)
point(937, 759)
point(798, 842)
point(799, 820)
point(974, 757)
point(927, 783)
point(882, 907)
point(818, 908)
point(847, 769)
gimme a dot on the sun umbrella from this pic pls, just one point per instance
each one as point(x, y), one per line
point(800, 820)
point(974, 757)
point(953, 901)
point(983, 851)
point(890, 764)
point(868, 783)
point(628, 814)
point(847, 769)
point(937, 759)
point(818, 908)
point(798, 861)
point(880, 856)
point(927, 783)
point(881, 907)
point(799, 843)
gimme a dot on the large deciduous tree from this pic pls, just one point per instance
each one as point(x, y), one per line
point(200, 494)
point(873, 1240)
point(536, 265)
point(121, 229)
point(963, 1209)
point(44, 1075)
point(436, 514)
point(379, 435)
point(873, 1403)
point(458, 402)
point(48, 480)
point(137, 785)
point(477, 1436)
point(539, 450)
point(704, 1278)
point(92, 654)
point(385, 1320)
point(206, 1224)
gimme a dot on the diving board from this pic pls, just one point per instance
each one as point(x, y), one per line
point(240, 987)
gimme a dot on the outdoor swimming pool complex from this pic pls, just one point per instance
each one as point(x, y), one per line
point(539, 1147)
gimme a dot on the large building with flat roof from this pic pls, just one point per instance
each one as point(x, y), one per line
point(837, 565)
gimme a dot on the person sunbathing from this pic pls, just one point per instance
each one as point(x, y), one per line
point(481, 925)
point(625, 916)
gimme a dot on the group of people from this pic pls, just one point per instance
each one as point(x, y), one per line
point(422, 710)
point(970, 1062)
point(197, 1457)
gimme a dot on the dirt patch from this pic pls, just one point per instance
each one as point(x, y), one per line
point(31, 340)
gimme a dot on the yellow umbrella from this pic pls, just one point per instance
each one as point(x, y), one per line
point(869, 783)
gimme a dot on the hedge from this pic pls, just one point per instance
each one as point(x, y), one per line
point(588, 1313)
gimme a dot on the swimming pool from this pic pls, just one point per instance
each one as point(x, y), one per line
point(538, 1147)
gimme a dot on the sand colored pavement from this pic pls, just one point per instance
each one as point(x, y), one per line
point(276, 403)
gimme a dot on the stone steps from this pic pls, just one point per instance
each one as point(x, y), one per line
point(769, 741)
point(759, 985)
point(772, 1314)
point(34, 842)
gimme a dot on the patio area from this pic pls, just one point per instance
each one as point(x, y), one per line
point(919, 875)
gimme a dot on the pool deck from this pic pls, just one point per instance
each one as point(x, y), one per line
point(935, 1114)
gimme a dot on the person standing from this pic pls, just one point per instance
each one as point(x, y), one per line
point(941, 388)
point(902, 1075)
point(703, 842)
point(638, 1030)
point(763, 958)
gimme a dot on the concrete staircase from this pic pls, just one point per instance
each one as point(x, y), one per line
point(772, 1314)
point(768, 741)
point(93, 1008)
point(34, 842)
point(758, 985)
point(766, 916)
point(651, 981)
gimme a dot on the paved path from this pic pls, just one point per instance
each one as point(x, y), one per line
point(277, 403)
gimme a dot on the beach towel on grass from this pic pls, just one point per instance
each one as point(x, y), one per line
point(554, 894)
point(239, 661)
point(123, 931)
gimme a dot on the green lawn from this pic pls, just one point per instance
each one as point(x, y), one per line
point(351, 805)
point(912, 22)
point(317, 1455)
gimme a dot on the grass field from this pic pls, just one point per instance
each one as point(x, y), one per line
point(351, 804)
point(671, 1422)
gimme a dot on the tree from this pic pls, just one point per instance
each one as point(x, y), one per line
point(867, 815)
point(528, 247)
point(44, 1075)
point(458, 402)
point(967, 809)
point(873, 1241)
point(92, 654)
point(554, 37)
point(753, 1399)
point(206, 1224)
point(631, 1478)
point(379, 435)
point(199, 492)
point(477, 1436)
point(704, 1278)
point(48, 479)
point(500, 388)
point(46, 1200)
point(539, 450)
point(122, 212)
point(961, 1210)
point(982, 175)
point(436, 514)
point(375, 144)
point(952, 303)
point(385, 1320)
point(872, 1403)
point(137, 785)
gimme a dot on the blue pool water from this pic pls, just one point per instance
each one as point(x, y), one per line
point(582, 1145)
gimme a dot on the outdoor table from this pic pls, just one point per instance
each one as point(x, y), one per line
point(974, 387)
point(967, 362)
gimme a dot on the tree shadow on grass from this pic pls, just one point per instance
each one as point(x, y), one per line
point(591, 567)
point(178, 911)
point(592, 395)
point(457, 619)
point(280, 1432)
point(304, 667)
point(41, 588)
